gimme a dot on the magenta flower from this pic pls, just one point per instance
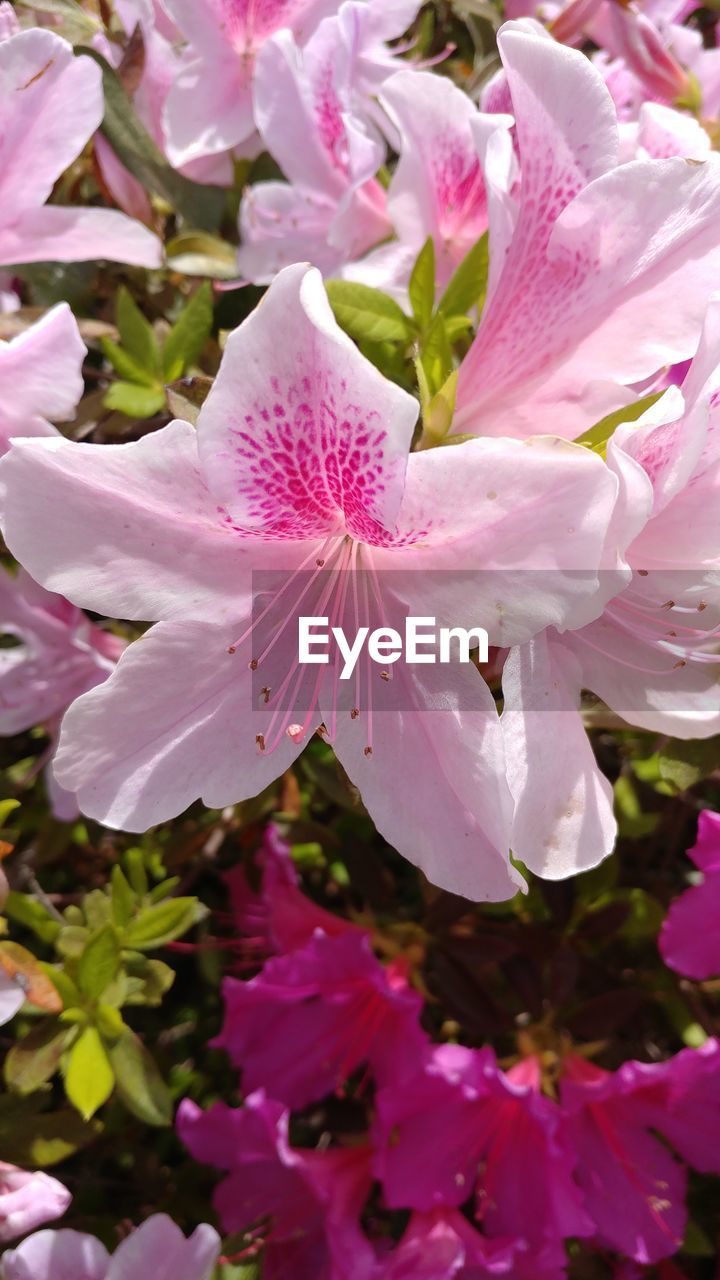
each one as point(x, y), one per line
point(312, 1017)
point(299, 467)
point(442, 1244)
point(27, 1200)
point(279, 918)
point(158, 1248)
point(493, 1136)
point(52, 103)
point(40, 376)
point(311, 1200)
point(634, 1187)
point(584, 259)
point(690, 939)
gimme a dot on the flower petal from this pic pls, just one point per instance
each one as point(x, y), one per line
point(63, 234)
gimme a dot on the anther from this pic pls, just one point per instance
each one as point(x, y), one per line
point(266, 693)
point(354, 713)
point(669, 604)
point(232, 649)
point(643, 573)
point(295, 732)
point(367, 751)
point(253, 664)
point(384, 675)
point(320, 563)
point(702, 605)
point(260, 740)
point(681, 663)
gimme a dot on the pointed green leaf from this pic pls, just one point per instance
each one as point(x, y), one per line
point(99, 963)
point(137, 334)
point(126, 364)
point(468, 285)
point(122, 898)
point(422, 285)
point(189, 334)
point(139, 1082)
point(596, 437)
point(162, 923)
point(367, 314)
point(134, 401)
point(27, 911)
point(89, 1077)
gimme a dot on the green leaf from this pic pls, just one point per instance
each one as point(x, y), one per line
point(122, 898)
point(199, 205)
point(138, 335)
point(134, 401)
point(596, 437)
point(159, 924)
point(6, 808)
point(367, 314)
point(136, 873)
point(63, 984)
point(27, 911)
point(468, 285)
point(99, 963)
point(125, 364)
point(139, 1083)
point(109, 1022)
point(89, 1077)
point(422, 285)
point(437, 357)
point(438, 416)
point(189, 334)
point(35, 1059)
point(684, 764)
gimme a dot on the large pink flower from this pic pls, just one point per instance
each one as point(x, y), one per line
point(311, 1199)
point(690, 936)
point(158, 1248)
point(51, 104)
point(27, 1200)
point(652, 654)
point(40, 376)
point(584, 258)
point(300, 468)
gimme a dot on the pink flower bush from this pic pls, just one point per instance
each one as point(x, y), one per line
point(157, 1248)
point(52, 104)
point(304, 468)
point(690, 940)
point(40, 376)
point(27, 1200)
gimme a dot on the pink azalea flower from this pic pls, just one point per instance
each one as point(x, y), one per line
point(690, 939)
point(652, 654)
point(59, 655)
point(300, 466)
point(158, 1248)
point(331, 209)
point(313, 1199)
point(280, 918)
point(492, 1135)
point(634, 1187)
point(438, 188)
point(210, 105)
point(583, 263)
point(40, 376)
point(660, 132)
point(27, 1200)
point(52, 104)
point(312, 1017)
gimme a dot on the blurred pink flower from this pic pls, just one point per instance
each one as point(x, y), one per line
point(40, 376)
point(690, 936)
point(52, 104)
point(313, 1199)
point(27, 1200)
point(158, 1248)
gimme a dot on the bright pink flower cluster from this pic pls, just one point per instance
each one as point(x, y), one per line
point(496, 1175)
